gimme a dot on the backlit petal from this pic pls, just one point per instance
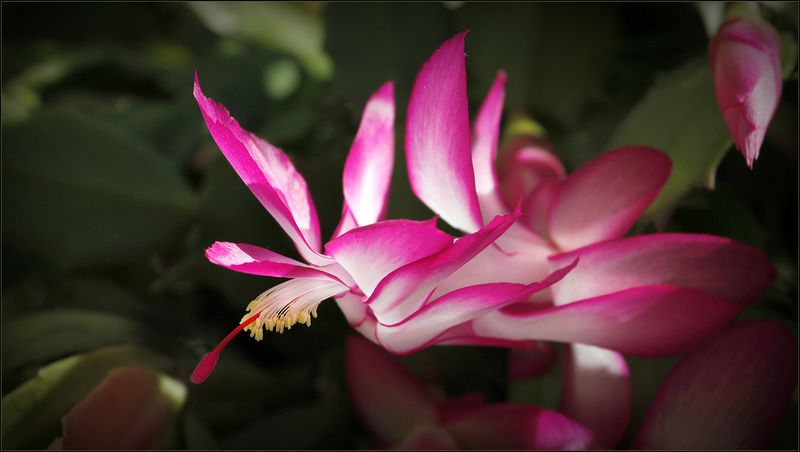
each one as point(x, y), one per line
point(372, 252)
point(368, 170)
point(484, 150)
point(596, 392)
point(407, 289)
point(269, 174)
point(457, 307)
point(251, 259)
point(644, 321)
point(603, 198)
point(718, 266)
point(438, 138)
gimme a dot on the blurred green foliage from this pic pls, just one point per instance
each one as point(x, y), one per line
point(112, 187)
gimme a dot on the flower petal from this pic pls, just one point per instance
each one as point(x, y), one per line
point(517, 426)
point(254, 260)
point(438, 138)
point(368, 170)
point(372, 252)
point(644, 321)
point(718, 266)
point(596, 392)
point(427, 437)
point(269, 174)
point(603, 198)
point(527, 161)
point(456, 307)
point(524, 364)
point(388, 398)
point(484, 150)
point(408, 288)
point(745, 59)
point(729, 394)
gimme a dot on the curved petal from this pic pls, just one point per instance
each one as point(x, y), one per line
point(643, 321)
point(484, 149)
point(254, 260)
point(408, 288)
point(269, 174)
point(438, 139)
point(457, 307)
point(516, 426)
point(603, 198)
point(427, 437)
point(527, 161)
point(352, 306)
point(524, 364)
point(718, 266)
point(368, 170)
point(507, 260)
point(729, 394)
point(372, 252)
point(464, 334)
point(553, 431)
point(388, 398)
point(745, 60)
point(596, 392)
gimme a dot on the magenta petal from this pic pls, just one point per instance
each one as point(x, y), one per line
point(644, 321)
point(438, 138)
point(524, 364)
point(720, 267)
point(484, 149)
point(516, 426)
point(427, 437)
point(388, 398)
point(603, 198)
point(457, 307)
point(372, 252)
point(368, 170)
point(596, 392)
point(729, 394)
point(259, 261)
point(407, 289)
point(269, 174)
point(745, 57)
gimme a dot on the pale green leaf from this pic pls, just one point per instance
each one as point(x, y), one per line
point(31, 414)
point(281, 26)
point(679, 115)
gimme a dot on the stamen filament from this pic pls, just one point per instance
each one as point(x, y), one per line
point(278, 308)
point(206, 365)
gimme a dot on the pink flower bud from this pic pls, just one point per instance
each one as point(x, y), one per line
point(745, 59)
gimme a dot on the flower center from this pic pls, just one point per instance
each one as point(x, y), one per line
point(278, 308)
point(288, 303)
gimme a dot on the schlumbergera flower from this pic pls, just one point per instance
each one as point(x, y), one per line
point(400, 412)
point(383, 274)
point(651, 295)
point(745, 57)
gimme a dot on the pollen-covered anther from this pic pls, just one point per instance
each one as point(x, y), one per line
point(294, 301)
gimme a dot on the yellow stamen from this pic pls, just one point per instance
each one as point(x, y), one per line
point(288, 303)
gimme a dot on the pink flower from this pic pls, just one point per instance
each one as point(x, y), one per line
point(745, 57)
point(384, 275)
point(400, 412)
point(650, 295)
